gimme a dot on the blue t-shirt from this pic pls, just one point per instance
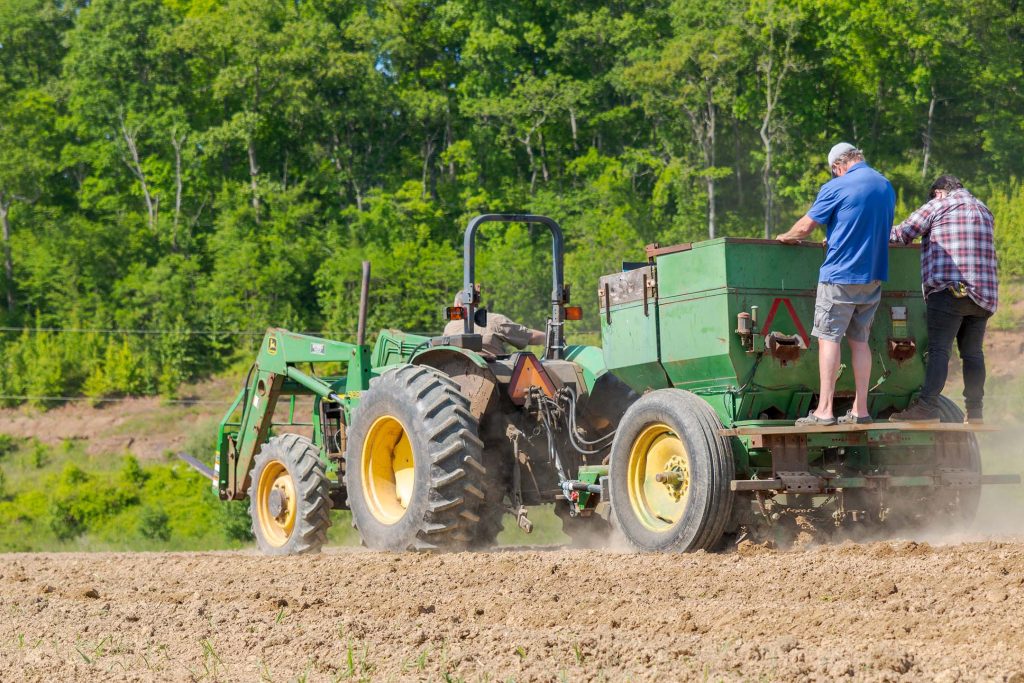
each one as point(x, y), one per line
point(857, 210)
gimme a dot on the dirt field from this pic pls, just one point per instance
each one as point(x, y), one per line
point(878, 612)
point(898, 611)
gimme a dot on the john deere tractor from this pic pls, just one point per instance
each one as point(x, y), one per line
point(679, 431)
point(427, 440)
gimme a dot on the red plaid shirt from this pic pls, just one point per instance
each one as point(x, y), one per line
point(957, 246)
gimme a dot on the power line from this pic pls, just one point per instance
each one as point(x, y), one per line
point(66, 399)
point(142, 331)
point(124, 330)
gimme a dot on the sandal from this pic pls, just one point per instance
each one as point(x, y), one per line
point(851, 419)
point(813, 420)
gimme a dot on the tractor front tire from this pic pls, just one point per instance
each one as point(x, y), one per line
point(413, 467)
point(289, 498)
point(669, 474)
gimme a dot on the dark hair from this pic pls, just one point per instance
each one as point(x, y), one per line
point(944, 182)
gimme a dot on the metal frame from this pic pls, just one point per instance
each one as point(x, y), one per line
point(273, 375)
point(556, 346)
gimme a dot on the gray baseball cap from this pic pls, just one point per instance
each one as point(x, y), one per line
point(838, 151)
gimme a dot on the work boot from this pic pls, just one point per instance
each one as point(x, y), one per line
point(916, 412)
point(974, 417)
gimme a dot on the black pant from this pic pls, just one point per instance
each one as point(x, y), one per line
point(952, 318)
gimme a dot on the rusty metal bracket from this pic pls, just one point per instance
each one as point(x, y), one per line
point(654, 250)
point(755, 485)
point(647, 310)
point(650, 292)
point(902, 349)
point(958, 478)
point(789, 452)
point(801, 482)
point(785, 482)
point(606, 302)
point(784, 347)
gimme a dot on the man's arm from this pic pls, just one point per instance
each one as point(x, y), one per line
point(801, 229)
point(917, 224)
point(519, 336)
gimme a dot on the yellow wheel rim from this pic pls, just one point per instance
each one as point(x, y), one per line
point(275, 503)
point(388, 470)
point(659, 477)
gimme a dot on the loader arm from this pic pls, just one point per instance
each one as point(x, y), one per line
point(273, 375)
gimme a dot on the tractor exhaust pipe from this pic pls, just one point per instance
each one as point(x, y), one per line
point(364, 295)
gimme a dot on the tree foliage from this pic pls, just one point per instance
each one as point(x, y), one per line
point(188, 167)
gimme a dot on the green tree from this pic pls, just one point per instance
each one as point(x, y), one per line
point(689, 83)
point(180, 166)
point(31, 33)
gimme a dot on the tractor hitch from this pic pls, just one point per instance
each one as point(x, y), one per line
point(573, 485)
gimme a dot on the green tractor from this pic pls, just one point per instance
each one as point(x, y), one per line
point(678, 431)
point(426, 440)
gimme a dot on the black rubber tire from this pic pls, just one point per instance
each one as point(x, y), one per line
point(712, 468)
point(968, 498)
point(492, 509)
point(448, 488)
point(313, 502)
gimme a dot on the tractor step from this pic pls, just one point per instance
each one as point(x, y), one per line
point(758, 430)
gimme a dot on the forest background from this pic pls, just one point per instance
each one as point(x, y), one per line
point(177, 175)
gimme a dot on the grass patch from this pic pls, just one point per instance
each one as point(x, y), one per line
point(61, 498)
point(157, 421)
point(55, 498)
point(342, 533)
point(547, 529)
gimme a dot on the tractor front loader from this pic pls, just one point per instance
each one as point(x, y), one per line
point(290, 480)
point(428, 441)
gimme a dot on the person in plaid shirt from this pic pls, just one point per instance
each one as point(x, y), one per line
point(958, 277)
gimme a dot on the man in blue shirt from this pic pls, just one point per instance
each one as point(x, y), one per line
point(856, 207)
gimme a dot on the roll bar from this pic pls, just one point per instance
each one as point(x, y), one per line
point(556, 334)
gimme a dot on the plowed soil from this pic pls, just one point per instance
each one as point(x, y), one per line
point(879, 612)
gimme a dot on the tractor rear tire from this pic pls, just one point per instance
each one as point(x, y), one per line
point(289, 497)
point(673, 433)
point(413, 467)
point(492, 510)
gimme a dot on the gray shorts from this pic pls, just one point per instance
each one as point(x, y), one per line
point(845, 310)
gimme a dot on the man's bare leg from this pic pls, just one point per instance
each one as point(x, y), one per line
point(861, 354)
point(828, 366)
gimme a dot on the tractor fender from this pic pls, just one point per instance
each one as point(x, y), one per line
point(608, 402)
point(608, 396)
point(476, 381)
